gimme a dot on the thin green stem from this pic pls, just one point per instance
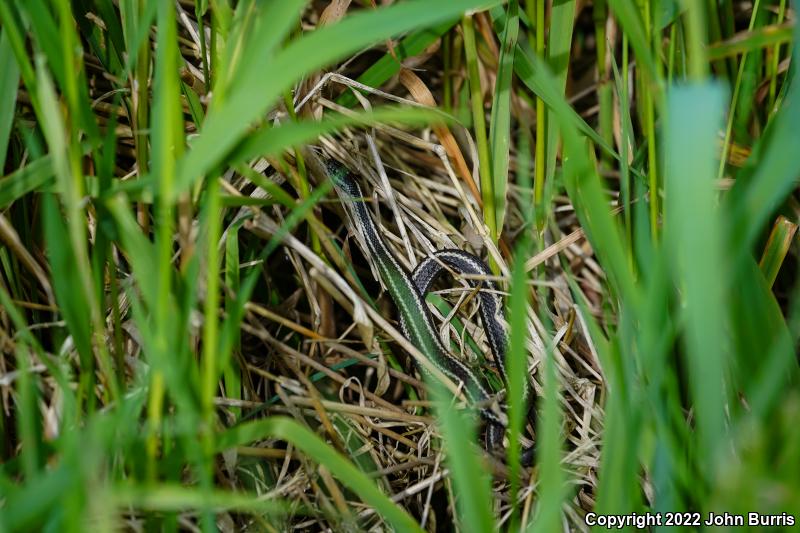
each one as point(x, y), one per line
point(648, 118)
point(447, 69)
point(479, 125)
point(695, 18)
point(715, 34)
point(775, 61)
point(303, 186)
point(604, 94)
point(625, 145)
point(735, 99)
point(541, 131)
point(76, 219)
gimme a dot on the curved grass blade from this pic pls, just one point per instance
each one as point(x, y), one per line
point(264, 82)
point(273, 140)
point(34, 175)
point(322, 453)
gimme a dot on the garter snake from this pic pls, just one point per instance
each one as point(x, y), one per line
point(408, 291)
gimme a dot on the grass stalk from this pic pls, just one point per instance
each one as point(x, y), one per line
point(541, 139)
point(479, 127)
point(696, 46)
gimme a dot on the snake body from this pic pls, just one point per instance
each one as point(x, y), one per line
point(408, 293)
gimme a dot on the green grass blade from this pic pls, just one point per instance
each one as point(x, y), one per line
point(13, 31)
point(72, 301)
point(322, 453)
point(138, 249)
point(257, 33)
point(389, 65)
point(479, 127)
point(33, 176)
point(517, 357)
point(167, 143)
point(230, 332)
point(771, 173)
point(630, 19)
point(253, 94)
point(470, 480)
point(759, 327)
point(550, 454)
point(44, 27)
point(232, 373)
point(543, 84)
point(582, 182)
point(8, 94)
point(168, 497)
point(694, 238)
point(751, 41)
point(35, 499)
point(270, 141)
point(777, 247)
point(562, 23)
point(500, 125)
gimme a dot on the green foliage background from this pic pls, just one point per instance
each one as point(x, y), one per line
point(697, 346)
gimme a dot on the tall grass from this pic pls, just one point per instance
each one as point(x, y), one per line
point(189, 339)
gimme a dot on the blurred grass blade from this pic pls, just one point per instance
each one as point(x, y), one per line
point(31, 177)
point(180, 498)
point(694, 238)
point(36, 498)
point(759, 327)
point(139, 250)
point(472, 485)
point(549, 453)
point(137, 16)
point(323, 454)
point(8, 94)
point(519, 335)
point(630, 19)
point(46, 31)
point(770, 174)
point(751, 41)
point(67, 286)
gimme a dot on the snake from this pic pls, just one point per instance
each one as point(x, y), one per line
point(408, 291)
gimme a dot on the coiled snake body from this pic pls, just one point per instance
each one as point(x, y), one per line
point(408, 293)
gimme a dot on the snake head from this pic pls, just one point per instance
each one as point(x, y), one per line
point(340, 175)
